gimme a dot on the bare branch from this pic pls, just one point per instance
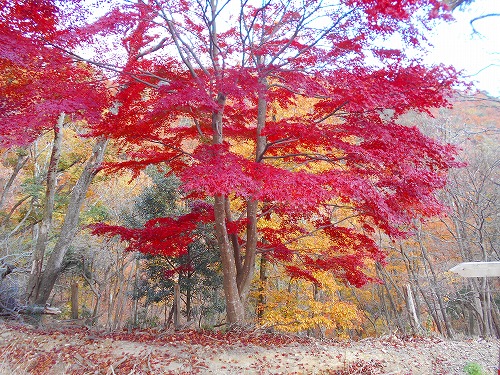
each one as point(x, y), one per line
point(480, 18)
point(333, 113)
point(160, 45)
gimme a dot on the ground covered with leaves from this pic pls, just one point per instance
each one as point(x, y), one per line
point(79, 350)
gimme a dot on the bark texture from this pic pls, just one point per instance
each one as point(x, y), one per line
point(44, 226)
point(70, 226)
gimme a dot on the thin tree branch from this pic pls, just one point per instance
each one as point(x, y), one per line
point(480, 18)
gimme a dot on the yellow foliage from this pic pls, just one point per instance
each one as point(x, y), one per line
point(302, 107)
point(302, 306)
point(244, 148)
point(275, 222)
point(236, 204)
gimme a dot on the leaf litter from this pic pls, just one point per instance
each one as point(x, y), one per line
point(80, 351)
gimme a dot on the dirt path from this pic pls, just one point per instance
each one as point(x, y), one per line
point(77, 350)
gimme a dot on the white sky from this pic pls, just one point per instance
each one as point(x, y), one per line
point(477, 54)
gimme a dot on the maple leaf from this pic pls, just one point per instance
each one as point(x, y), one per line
point(217, 171)
point(160, 236)
point(38, 81)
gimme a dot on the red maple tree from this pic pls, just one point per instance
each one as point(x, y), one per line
point(282, 110)
point(39, 81)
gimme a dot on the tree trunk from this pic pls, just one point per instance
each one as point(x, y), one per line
point(383, 304)
point(177, 307)
point(411, 307)
point(34, 280)
point(122, 299)
point(495, 318)
point(234, 306)
point(381, 273)
point(485, 308)
point(74, 300)
point(22, 158)
point(70, 225)
point(189, 297)
point(247, 271)
point(96, 291)
point(430, 307)
point(261, 302)
point(136, 293)
point(434, 283)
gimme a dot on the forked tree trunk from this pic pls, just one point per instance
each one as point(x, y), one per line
point(234, 305)
point(34, 280)
point(238, 269)
point(70, 226)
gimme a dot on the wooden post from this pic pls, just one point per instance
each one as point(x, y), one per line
point(74, 300)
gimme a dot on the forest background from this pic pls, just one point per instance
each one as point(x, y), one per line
point(53, 191)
